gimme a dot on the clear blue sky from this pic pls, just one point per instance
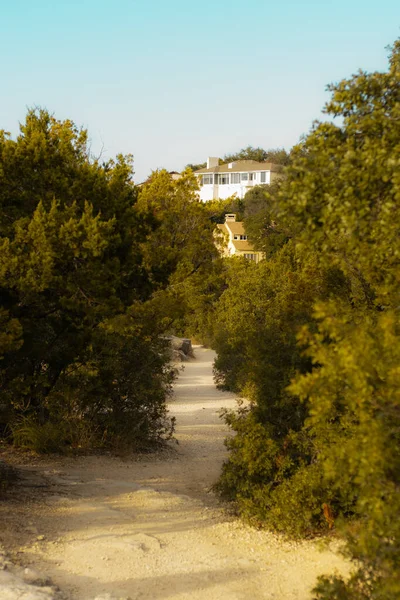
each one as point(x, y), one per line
point(175, 81)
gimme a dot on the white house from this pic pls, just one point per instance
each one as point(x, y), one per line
point(222, 181)
point(235, 242)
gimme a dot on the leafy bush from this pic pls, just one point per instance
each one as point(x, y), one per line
point(82, 363)
point(312, 335)
point(29, 434)
point(272, 469)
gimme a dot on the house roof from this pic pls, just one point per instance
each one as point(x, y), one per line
point(243, 245)
point(236, 227)
point(241, 166)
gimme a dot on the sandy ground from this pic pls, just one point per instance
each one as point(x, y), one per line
point(149, 527)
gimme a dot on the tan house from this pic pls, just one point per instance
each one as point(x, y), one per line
point(235, 240)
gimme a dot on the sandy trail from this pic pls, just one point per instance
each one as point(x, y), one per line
point(149, 528)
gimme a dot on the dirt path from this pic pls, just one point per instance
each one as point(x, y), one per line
point(150, 528)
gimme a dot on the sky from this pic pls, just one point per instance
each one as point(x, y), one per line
point(173, 82)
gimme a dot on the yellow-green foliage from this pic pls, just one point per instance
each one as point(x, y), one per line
point(29, 434)
point(315, 342)
point(10, 333)
point(78, 366)
point(181, 242)
point(257, 318)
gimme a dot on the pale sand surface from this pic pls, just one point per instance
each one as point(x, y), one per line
point(149, 527)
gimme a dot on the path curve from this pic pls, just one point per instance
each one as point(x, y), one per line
point(150, 529)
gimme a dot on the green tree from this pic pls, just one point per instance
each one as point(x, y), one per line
point(271, 468)
point(261, 219)
point(344, 201)
point(339, 463)
point(196, 167)
point(181, 241)
point(278, 156)
point(70, 264)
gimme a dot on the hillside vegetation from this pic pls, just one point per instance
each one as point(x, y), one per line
point(95, 272)
point(84, 256)
point(311, 336)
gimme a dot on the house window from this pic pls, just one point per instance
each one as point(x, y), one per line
point(245, 176)
point(235, 178)
point(250, 256)
point(224, 178)
point(236, 237)
point(263, 177)
point(206, 179)
point(243, 237)
point(252, 176)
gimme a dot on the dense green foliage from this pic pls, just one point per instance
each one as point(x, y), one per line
point(196, 166)
point(311, 336)
point(258, 317)
point(264, 231)
point(83, 359)
point(278, 156)
point(181, 242)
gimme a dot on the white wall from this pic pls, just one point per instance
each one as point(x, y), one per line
point(211, 191)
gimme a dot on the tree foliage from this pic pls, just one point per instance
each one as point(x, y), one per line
point(196, 166)
point(179, 253)
point(311, 337)
point(263, 227)
point(181, 241)
point(278, 156)
point(78, 365)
